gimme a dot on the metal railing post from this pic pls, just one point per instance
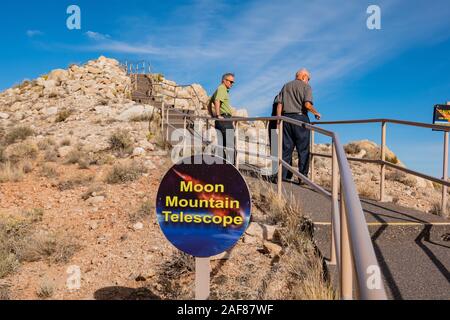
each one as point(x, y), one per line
point(335, 223)
point(236, 140)
point(383, 158)
point(280, 157)
point(346, 268)
point(311, 150)
point(184, 135)
point(167, 124)
point(445, 177)
point(162, 120)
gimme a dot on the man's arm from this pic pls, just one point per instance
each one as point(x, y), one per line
point(217, 108)
point(310, 107)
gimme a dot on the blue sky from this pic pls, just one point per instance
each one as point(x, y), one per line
point(398, 72)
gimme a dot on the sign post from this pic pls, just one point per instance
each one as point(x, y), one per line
point(203, 207)
point(202, 278)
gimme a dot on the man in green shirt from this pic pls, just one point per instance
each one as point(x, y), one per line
point(220, 108)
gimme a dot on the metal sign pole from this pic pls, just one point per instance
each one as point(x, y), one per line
point(202, 278)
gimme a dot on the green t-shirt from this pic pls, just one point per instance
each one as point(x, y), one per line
point(222, 95)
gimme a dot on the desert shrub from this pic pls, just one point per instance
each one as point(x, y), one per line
point(66, 142)
point(178, 264)
point(401, 177)
point(75, 182)
point(45, 144)
point(10, 172)
point(48, 171)
point(121, 141)
point(18, 134)
point(352, 148)
point(145, 117)
point(45, 290)
point(122, 173)
point(51, 155)
point(63, 115)
point(27, 167)
point(22, 151)
point(55, 248)
point(367, 191)
point(145, 211)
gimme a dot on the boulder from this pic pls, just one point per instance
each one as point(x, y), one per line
point(58, 76)
point(50, 111)
point(4, 116)
point(137, 152)
point(262, 231)
point(135, 111)
point(95, 200)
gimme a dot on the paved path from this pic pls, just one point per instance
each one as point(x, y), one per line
point(414, 258)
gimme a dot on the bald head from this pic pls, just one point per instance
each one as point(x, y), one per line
point(303, 75)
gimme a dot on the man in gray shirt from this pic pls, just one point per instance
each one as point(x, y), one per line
point(296, 101)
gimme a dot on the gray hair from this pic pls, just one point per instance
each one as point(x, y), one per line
point(226, 75)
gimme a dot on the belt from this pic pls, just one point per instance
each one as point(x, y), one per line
point(298, 113)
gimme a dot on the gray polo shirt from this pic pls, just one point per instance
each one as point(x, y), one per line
point(294, 95)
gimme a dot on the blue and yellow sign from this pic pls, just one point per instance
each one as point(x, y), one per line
point(442, 115)
point(203, 209)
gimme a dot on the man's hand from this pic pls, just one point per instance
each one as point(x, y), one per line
point(318, 116)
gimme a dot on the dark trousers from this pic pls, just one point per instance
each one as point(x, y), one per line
point(299, 138)
point(222, 127)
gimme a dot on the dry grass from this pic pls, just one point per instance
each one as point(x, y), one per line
point(46, 144)
point(367, 191)
point(10, 172)
point(401, 177)
point(300, 272)
point(63, 115)
point(13, 231)
point(18, 134)
point(145, 211)
point(45, 290)
point(22, 151)
point(51, 155)
point(126, 172)
point(48, 171)
point(66, 142)
point(74, 182)
point(352, 148)
point(120, 141)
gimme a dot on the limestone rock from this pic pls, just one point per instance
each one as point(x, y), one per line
point(64, 151)
point(135, 111)
point(4, 116)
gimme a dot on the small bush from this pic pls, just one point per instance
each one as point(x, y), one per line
point(27, 167)
point(141, 118)
point(66, 143)
point(63, 115)
point(352, 148)
point(51, 155)
point(121, 141)
point(146, 210)
point(18, 134)
point(10, 172)
point(367, 191)
point(22, 151)
point(49, 171)
point(45, 144)
point(45, 290)
point(75, 182)
point(122, 173)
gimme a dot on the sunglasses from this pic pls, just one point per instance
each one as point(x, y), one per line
point(232, 82)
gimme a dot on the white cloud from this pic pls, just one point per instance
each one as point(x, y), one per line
point(34, 33)
point(97, 36)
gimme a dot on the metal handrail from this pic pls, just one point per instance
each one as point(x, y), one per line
point(383, 163)
point(352, 248)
